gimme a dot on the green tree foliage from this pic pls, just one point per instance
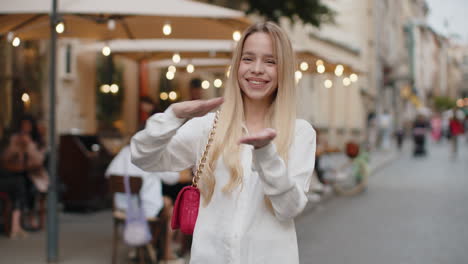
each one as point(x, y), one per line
point(442, 103)
point(312, 12)
point(109, 105)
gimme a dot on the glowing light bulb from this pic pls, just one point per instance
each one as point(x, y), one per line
point(163, 96)
point(236, 35)
point(205, 84)
point(60, 27)
point(172, 69)
point(339, 70)
point(170, 75)
point(167, 29)
point(105, 88)
point(328, 84)
point(106, 51)
point(173, 96)
point(304, 66)
point(25, 97)
point(346, 81)
point(217, 83)
point(114, 88)
point(320, 69)
point(16, 42)
point(190, 68)
point(176, 58)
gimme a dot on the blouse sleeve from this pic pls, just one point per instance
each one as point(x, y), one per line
point(166, 143)
point(286, 186)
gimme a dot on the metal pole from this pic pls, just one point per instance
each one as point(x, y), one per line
point(52, 218)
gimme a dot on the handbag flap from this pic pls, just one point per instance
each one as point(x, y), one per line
point(188, 193)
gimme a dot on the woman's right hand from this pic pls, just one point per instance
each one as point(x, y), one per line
point(196, 108)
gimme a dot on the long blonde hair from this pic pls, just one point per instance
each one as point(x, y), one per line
point(281, 116)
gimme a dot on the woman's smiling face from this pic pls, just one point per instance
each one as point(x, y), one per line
point(257, 74)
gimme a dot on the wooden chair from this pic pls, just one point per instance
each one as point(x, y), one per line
point(116, 185)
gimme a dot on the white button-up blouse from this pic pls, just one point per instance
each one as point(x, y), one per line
point(239, 227)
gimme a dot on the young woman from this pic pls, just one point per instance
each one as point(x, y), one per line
point(259, 164)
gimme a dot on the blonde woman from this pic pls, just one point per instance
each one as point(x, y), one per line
point(259, 163)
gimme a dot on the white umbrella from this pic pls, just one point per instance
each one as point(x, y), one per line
point(111, 19)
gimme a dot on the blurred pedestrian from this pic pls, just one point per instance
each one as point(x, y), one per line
point(25, 155)
point(436, 127)
point(399, 136)
point(372, 130)
point(456, 129)
point(254, 179)
point(420, 127)
point(385, 130)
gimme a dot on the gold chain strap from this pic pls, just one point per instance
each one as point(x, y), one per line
point(202, 162)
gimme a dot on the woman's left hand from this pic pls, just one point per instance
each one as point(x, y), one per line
point(260, 139)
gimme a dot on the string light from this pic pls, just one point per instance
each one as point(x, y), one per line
point(339, 70)
point(205, 84)
point(170, 75)
point(163, 96)
point(328, 84)
point(217, 83)
point(25, 97)
point(320, 69)
point(172, 96)
point(319, 62)
point(114, 88)
point(176, 58)
point(236, 35)
point(172, 69)
point(60, 27)
point(346, 81)
point(304, 66)
point(353, 77)
point(105, 88)
point(16, 42)
point(106, 51)
point(167, 29)
point(190, 68)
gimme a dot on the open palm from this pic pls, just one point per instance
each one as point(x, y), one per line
point(260, 139)
point(196, 108)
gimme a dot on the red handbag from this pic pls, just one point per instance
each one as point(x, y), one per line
point(185, 212)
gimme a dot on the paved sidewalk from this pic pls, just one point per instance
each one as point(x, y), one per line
point(84, 238)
